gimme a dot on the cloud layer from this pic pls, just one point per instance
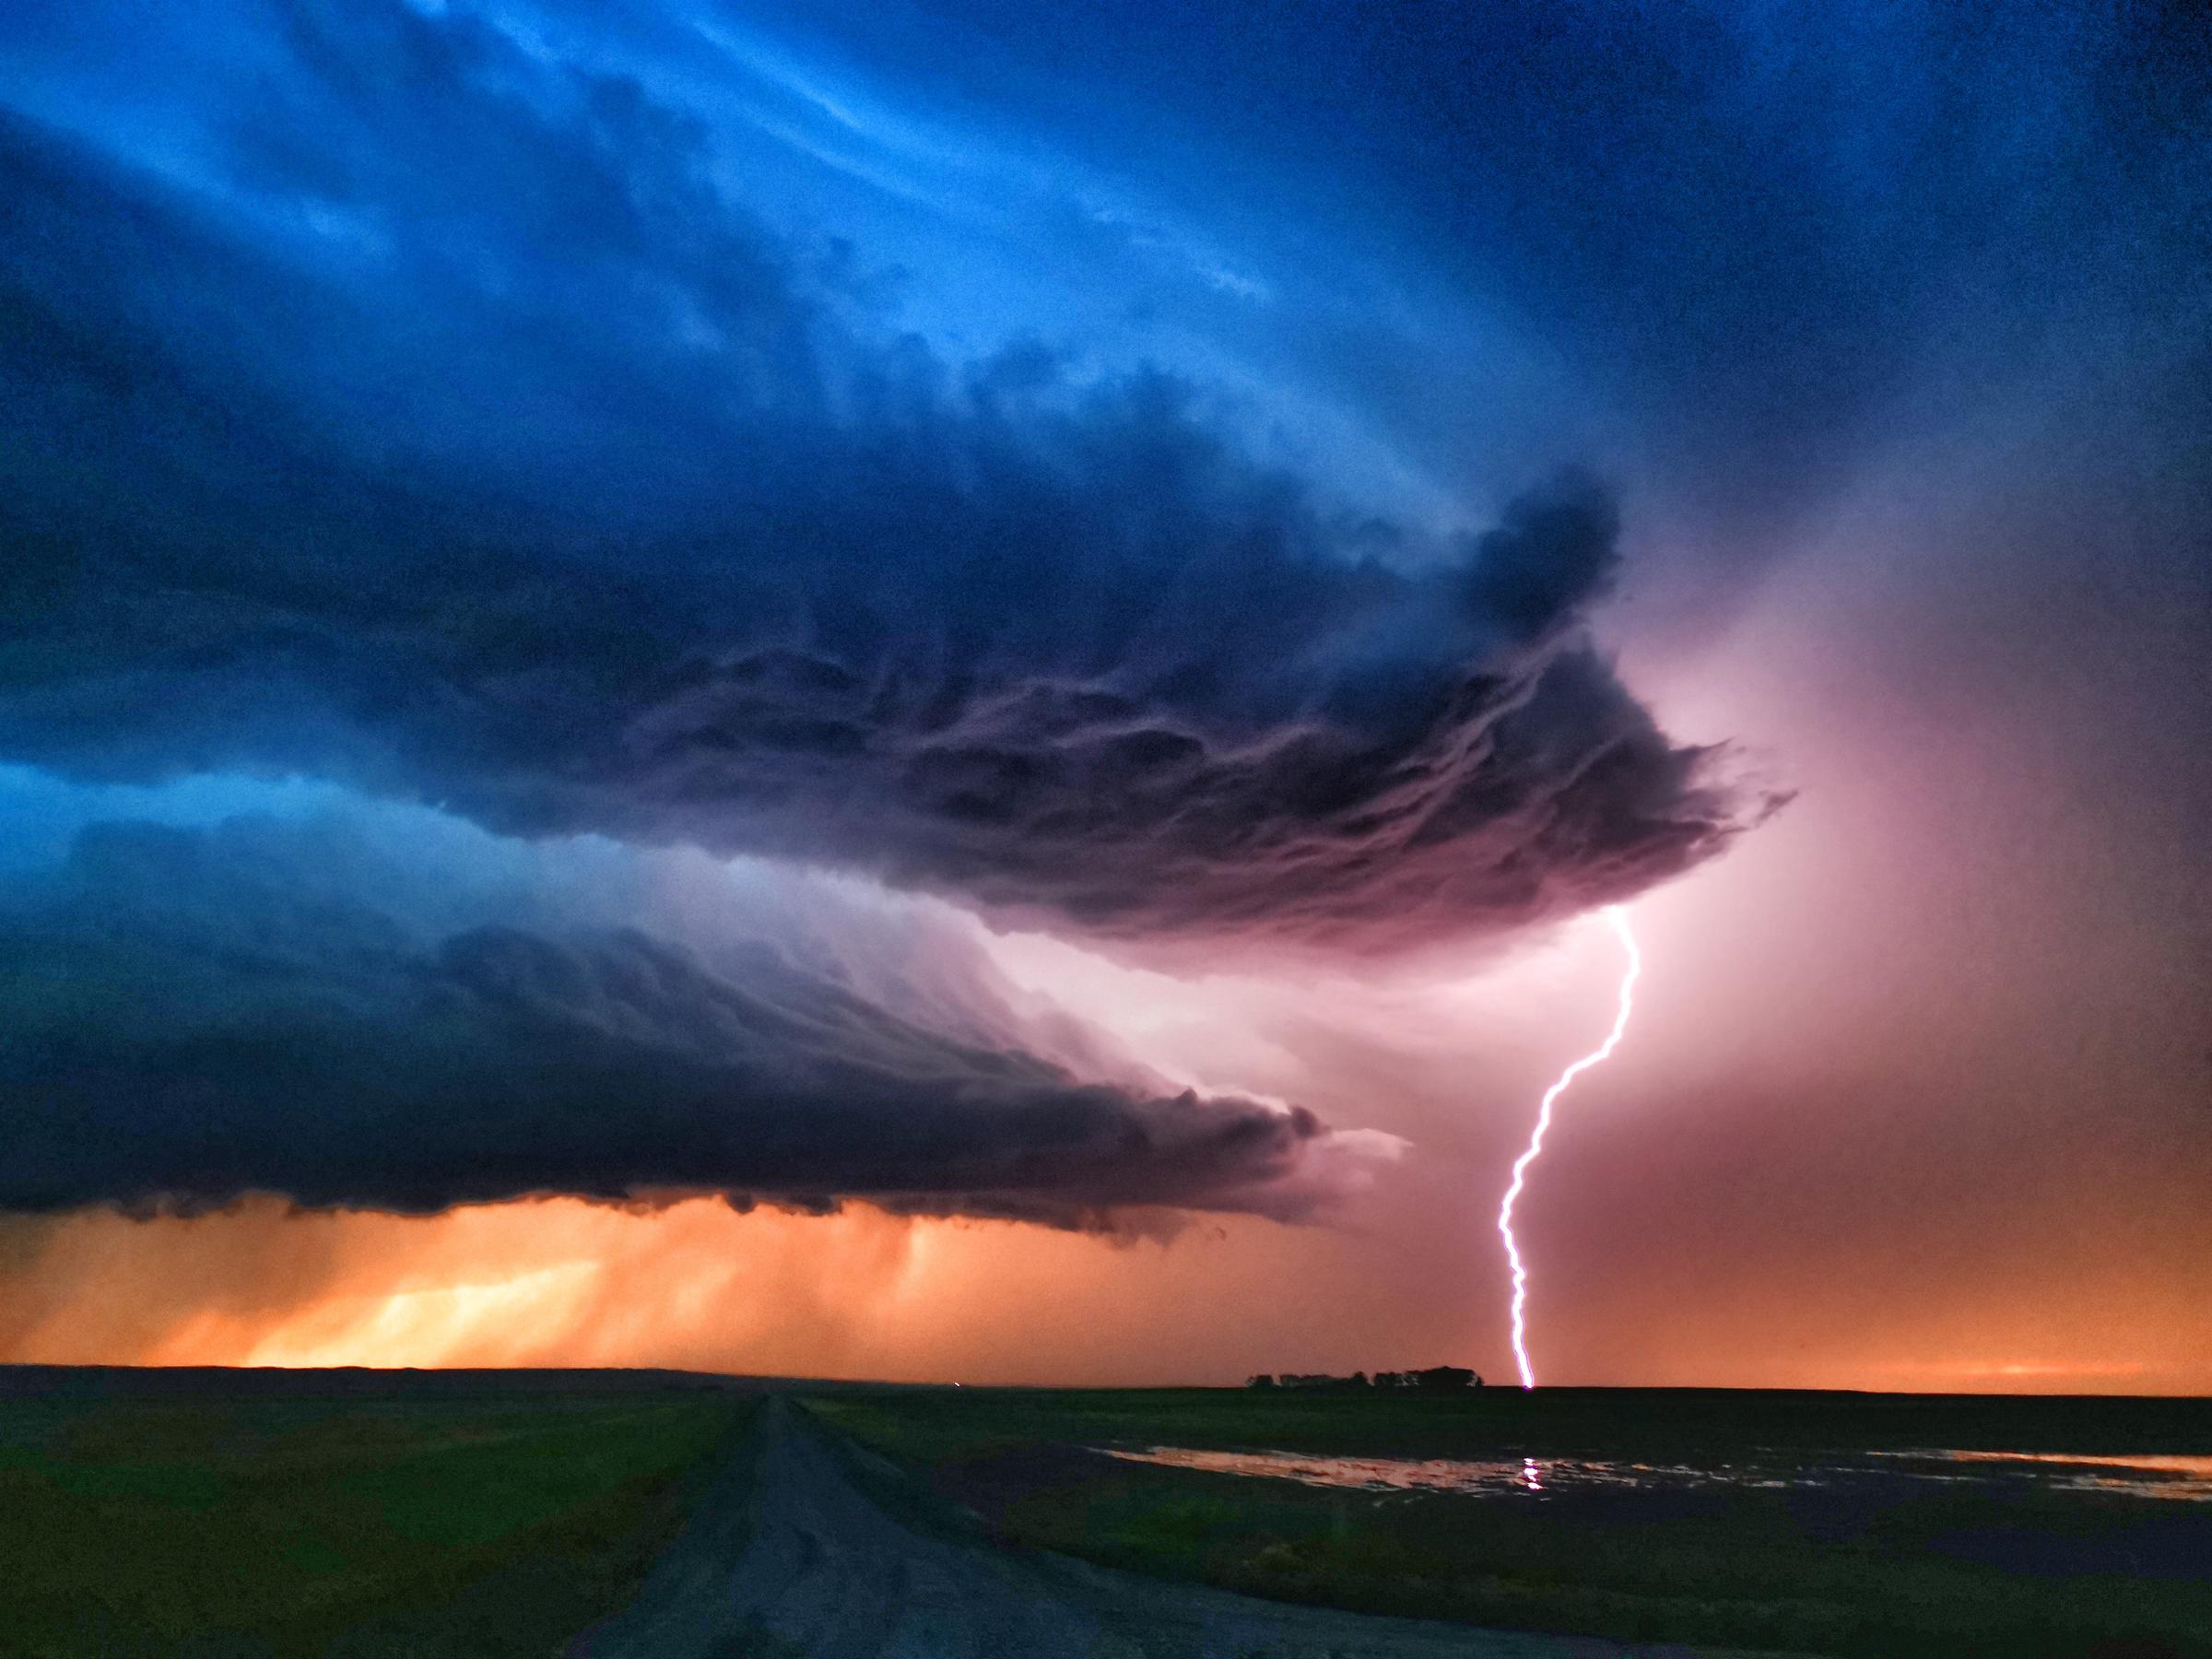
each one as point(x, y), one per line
point(187, 1015)
point(434, 415)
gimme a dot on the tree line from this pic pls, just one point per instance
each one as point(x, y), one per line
point(1436, 1377)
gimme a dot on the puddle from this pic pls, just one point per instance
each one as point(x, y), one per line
point(2145, 1476)
point(1439, 1474)
point(2139, 1474)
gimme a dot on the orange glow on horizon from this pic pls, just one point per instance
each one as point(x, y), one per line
point(696, 1285)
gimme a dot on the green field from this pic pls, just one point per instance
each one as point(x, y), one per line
point(395, 1515)
point(482, 1514)
point(1876, 1569)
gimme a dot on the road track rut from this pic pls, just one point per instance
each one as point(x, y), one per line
point(789, 1556)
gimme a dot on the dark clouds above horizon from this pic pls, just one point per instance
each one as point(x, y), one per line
point(389, 1013)
point(1169, 507)
point(524, 471)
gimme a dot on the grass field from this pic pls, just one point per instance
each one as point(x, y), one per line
point(1873, 1567)
point(444, 1514)
point(388, 1517)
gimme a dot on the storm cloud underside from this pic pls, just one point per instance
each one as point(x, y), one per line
point(194, 1015)
point(457, 432)
point(404, 402)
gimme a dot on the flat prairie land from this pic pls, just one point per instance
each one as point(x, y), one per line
point(1807, 1522)
point(673, 1517)
point(423, 1514)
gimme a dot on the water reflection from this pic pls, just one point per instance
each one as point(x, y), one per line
point(2144, 1475)
point(1397, 1474)
point(2140, 1475)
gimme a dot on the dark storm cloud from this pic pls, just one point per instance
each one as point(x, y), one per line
point(187, 1015)
point(430, 417)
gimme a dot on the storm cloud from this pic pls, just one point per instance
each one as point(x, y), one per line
point(188, 1015)
point(440, 420)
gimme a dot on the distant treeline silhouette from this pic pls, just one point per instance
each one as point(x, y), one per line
point(1435, 1377)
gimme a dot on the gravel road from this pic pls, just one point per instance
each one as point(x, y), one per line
point(788, 1556)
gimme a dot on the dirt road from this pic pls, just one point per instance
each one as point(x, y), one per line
point(789, 1557)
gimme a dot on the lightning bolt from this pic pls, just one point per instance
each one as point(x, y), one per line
point(1620, 920)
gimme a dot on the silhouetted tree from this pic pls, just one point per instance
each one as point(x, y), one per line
point(1446, 1376)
